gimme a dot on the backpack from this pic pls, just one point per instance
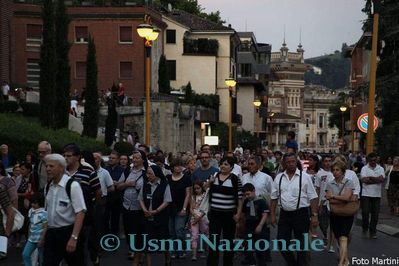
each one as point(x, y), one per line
point(67, 188)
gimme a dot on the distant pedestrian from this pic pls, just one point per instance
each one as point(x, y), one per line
point(392, 186)
point(5, 90)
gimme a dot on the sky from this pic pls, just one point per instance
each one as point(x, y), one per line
point(325, 24)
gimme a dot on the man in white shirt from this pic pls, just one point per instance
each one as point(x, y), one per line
point(372, 177)
point(66, 211)
point(294, 191)
point(322, 178)
point(5, 89)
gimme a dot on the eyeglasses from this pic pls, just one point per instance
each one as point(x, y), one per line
point(205, 157)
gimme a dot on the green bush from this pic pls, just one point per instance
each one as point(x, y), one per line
point(124, 148)
point(31, 109)
point(23, 134)
point(8, 107)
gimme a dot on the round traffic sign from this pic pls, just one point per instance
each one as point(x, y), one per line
point(362, 122)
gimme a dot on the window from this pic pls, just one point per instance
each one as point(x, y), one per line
point(321, 121)
point(171, 69)
point(307, 122)
point(307, 140)
point(245, 70)
point(125, 70)
point(33, 73)
point(81, 34)
point(125, 34)
point(170, 36)
point(321, 139)
point(80, 70)
point(34, 32)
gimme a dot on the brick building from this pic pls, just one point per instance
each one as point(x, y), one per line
point(120, 51)
point(5, 25)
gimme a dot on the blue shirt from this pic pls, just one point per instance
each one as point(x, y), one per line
point(203, 175)
point(37, 219)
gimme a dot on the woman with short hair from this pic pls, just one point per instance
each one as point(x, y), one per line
point(340, 190)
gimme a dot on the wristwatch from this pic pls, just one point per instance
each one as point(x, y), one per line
point(74, 237)
point(315, 214)
point(184, 209)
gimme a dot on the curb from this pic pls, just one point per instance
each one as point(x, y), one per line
point(383, 228)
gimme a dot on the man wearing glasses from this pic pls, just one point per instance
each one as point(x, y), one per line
point(203, 172)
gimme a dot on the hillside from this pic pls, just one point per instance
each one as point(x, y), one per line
point(335, 71)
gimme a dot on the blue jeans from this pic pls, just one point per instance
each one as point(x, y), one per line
point(177, 226)
point(28, 250)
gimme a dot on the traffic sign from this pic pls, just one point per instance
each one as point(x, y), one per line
point(362, 122)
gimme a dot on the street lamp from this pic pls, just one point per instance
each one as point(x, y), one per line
point(150, 34)
point(231, 83)
point(343, 110)
point(257, 104)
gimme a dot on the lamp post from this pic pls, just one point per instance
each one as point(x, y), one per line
point(343, 110)
point(231, 83)
point(150, 34)
point(271, 114)
point(257, 104)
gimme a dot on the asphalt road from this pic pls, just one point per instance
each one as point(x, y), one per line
point(383, 247)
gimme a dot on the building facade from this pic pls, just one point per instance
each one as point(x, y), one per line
point(119, 50)
point(200, 52)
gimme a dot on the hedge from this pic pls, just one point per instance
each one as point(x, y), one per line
point(22, 134)
point(31, 109)
point(8, 107)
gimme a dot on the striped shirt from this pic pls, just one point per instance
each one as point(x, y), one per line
point(88, 180)
point(4, 199)
point(37, 219)
point(224, 194)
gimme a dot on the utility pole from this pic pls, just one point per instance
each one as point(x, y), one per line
point(373, 71)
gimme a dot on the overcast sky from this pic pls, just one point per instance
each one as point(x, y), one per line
point(326, 24)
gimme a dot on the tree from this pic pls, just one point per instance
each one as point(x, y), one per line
point(63, 72)
point(335, 119)
point(387, 86)
point(48, 64)
point(163, 76)
point(90, 120)
point(111, 122)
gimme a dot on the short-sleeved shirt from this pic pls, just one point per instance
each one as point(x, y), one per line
point(178, 190)
point(223, 194)
point(202, 175)
point(372, 190)
point(88, 181)
point(261, 207)
point(115, 172)
point(37, 219)
point(62, 210)
point(4, 199)
point(261, 181)
point(355, 180)
point(167, 197)
point(9, 185)
point(105, 180)
point(322, 178)
point(337, 188)
point(130, 195)
point(289, 194)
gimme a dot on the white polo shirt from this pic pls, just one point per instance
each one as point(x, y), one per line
point(288, 196)
point(321, 179)
point(372, 190)
point(352, 176)
point(261, 181)
point(105, 180)
point(62, 211)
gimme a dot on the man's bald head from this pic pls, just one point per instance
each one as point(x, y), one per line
point(43, 149)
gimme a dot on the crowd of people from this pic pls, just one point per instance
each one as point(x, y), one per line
point(72, 198)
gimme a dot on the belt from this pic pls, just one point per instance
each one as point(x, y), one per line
point(296, 211)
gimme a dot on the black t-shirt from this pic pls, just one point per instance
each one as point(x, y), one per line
point(394, 178)
point(178, 190)
point(261, 207)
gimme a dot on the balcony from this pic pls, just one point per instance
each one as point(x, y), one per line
point(200, 46)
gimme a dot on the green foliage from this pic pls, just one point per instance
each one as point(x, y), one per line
point(63, 72)
point(245, 138)
point(91, 116)
point(201, 46)
point(206, 100)
point(8, 107)
point(335, 71)
point(214, 17)
point(23, 135)
point(30, 109)
point(388, 139)
point(48, 64)
point(163, 76)
point(124, 147)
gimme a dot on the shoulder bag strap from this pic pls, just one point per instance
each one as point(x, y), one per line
point(300, 190)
